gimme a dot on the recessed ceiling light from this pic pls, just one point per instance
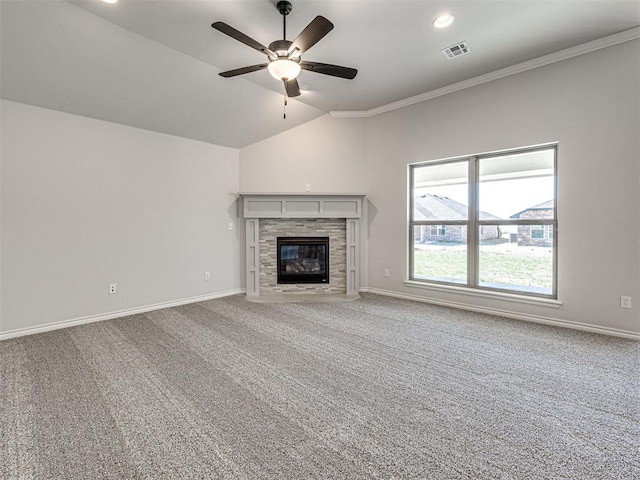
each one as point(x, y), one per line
point(110, 1)
point(443, 20)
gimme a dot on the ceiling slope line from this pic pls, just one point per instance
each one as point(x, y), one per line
point(594, 45)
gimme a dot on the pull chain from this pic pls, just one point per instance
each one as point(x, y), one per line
point(284, 93)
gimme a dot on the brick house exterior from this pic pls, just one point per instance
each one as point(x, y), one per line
point(536, 235)
point(434, 207)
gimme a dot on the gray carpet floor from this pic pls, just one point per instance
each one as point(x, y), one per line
point(374, 388)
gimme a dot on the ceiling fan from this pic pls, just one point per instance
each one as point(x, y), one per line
point(285, 61)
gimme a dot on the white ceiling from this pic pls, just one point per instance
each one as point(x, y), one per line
point(153, 63)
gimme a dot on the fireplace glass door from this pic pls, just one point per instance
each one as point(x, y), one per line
point(303, 259)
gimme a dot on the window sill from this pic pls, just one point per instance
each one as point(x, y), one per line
point(510, 297)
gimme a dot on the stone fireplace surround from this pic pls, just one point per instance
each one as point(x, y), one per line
point(272, 228)
point(269, 215)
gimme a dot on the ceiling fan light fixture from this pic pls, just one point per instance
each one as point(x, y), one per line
point(283, 68)
point(444, 20)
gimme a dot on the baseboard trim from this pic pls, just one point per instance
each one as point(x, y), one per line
point(508, 314)
point(117, 314)
point(405, 296)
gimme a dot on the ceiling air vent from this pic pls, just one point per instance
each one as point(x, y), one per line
point(456, 50)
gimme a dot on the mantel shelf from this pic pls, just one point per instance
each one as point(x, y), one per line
point(299, 194)
point(302, 205)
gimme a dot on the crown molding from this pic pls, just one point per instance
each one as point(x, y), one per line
point(610, 41)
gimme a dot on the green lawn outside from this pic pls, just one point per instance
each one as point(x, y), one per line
point(450, 264)
point(496, 267)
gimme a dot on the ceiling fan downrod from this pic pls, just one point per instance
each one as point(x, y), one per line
point(284, 8)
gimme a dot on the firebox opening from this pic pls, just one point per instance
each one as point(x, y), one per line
point(303, 259)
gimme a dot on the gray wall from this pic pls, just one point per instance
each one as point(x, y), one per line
point(325, 153)
point(86, 203)
point(590, 104)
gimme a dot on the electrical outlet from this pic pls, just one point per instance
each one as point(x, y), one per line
point(386, 272)
point(113, 288)
point(207, 275)
point(307, 187)
point(230, 226)
point(625, 302)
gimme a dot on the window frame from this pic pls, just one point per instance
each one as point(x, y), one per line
point(474, 225)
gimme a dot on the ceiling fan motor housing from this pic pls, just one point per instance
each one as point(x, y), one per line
point(281, 47)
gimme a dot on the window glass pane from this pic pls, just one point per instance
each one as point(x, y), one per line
point(517, 257)
point(440, 253)
point(441, 192)
point(517, 186)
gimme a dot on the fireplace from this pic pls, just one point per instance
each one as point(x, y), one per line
point(303, 260)
point(270, 216)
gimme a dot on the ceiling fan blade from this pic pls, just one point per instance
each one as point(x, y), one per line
point(328, 69)
point(243, 70)
point(241, 37)
point(312, 33)
point(292, 88)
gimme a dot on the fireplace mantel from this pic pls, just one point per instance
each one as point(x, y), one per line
point(347, 206)
point(302, 205)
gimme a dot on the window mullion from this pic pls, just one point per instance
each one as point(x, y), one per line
point(409, 256)
point(472, 228)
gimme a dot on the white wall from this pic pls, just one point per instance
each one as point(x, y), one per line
point(327, 154)
point(86, 203)
point(591, 105)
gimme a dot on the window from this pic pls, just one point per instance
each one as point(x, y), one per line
point(537, 231)
point(541, 231)
point(486, 222)
point(437, 230)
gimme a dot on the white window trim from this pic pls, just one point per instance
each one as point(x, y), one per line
point(489, 294)
point(550, 300)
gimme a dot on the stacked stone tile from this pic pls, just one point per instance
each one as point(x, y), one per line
point(334, 228)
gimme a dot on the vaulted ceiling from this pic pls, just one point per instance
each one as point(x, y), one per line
point(154, 64)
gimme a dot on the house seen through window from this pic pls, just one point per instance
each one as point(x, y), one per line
point(486, 221)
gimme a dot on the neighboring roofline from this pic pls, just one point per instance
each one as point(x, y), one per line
point(540, 206)
point(441, 199)
point(530, 209)
point(610, 41)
